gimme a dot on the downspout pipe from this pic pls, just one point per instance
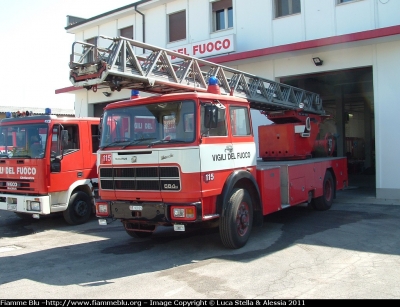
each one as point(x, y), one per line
point(143, 25)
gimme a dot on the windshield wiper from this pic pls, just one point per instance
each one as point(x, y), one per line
point(113, 143)
point(137, 141)
point(166, 141)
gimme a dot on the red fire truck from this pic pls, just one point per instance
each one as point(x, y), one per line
point(48, 165)
point(186, 154)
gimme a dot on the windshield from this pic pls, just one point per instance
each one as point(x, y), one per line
point(152, 124)
point(23, 141)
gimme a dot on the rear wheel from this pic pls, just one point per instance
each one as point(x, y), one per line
point(79, 209)
point(325, 201)
point(236, 223)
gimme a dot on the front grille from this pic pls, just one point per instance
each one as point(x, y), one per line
point(140, 178)
point(13, 185)
point(107, 184)
point(106, 172)
point(169, 172)
point(147, 185)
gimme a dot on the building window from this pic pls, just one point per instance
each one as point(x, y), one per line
point(222, 14)
point(286, 7)
point(177, 26)
point(126, 32)
point(90, 55)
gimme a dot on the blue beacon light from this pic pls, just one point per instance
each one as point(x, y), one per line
point(47, 111)
point(213, 86)
point(134, 94)
point(212, 81)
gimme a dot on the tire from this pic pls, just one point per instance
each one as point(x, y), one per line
point(138, 234)
point(236, 224)
point(79, 209)
point(325, 201)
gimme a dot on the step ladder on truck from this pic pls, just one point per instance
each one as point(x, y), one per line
point(186, 154)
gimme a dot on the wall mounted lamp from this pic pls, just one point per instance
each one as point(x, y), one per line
point(317, 61)
point(107, 94)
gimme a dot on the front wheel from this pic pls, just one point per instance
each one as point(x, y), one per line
point(236, 222)
point(325, 201)
point(79, 209)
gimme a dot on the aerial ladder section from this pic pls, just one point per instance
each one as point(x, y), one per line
point(163, 71)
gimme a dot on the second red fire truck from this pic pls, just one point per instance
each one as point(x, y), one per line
point(48, 165)
point(187, 153)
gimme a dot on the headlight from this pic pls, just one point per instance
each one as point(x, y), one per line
point(179, 212)
point(33, 206)
point(187, 213)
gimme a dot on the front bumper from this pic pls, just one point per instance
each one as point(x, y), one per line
point(150, 212)
point(25, 204)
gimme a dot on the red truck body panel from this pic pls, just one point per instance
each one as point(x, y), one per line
point(289, 183)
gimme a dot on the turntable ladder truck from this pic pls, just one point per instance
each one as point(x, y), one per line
point(186, 155)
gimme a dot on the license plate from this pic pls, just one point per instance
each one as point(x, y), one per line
point(136, 208)
point(102, 222)
point(179, 227)
point(12, 207)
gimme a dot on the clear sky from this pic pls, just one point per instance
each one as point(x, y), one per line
point(35, 49)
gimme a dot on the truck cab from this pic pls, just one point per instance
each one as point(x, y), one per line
point(171, 153)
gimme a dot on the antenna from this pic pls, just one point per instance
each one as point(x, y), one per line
point(194, 82)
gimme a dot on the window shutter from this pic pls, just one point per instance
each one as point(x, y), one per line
point(126, 32)
point(221, 4)
point(91, 40)
point(177, 26)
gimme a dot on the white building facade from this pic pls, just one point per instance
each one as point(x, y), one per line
point(356, 41)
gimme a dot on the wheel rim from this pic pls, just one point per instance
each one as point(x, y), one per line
point(242, 219)
point(81, 208)
point(328, 190)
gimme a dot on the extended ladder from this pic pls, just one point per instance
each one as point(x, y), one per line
point(118, 66)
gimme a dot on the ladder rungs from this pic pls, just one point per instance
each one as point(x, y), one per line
point(118, 66)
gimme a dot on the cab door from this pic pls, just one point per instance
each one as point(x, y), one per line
point(72, 163)
point(216, 148)
point(90, 146)
point(244, 147)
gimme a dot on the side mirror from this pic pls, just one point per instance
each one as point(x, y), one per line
point(57, 142)
point(210, 116)
point(64, 137)
point(55, 166)
point(101, 126)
